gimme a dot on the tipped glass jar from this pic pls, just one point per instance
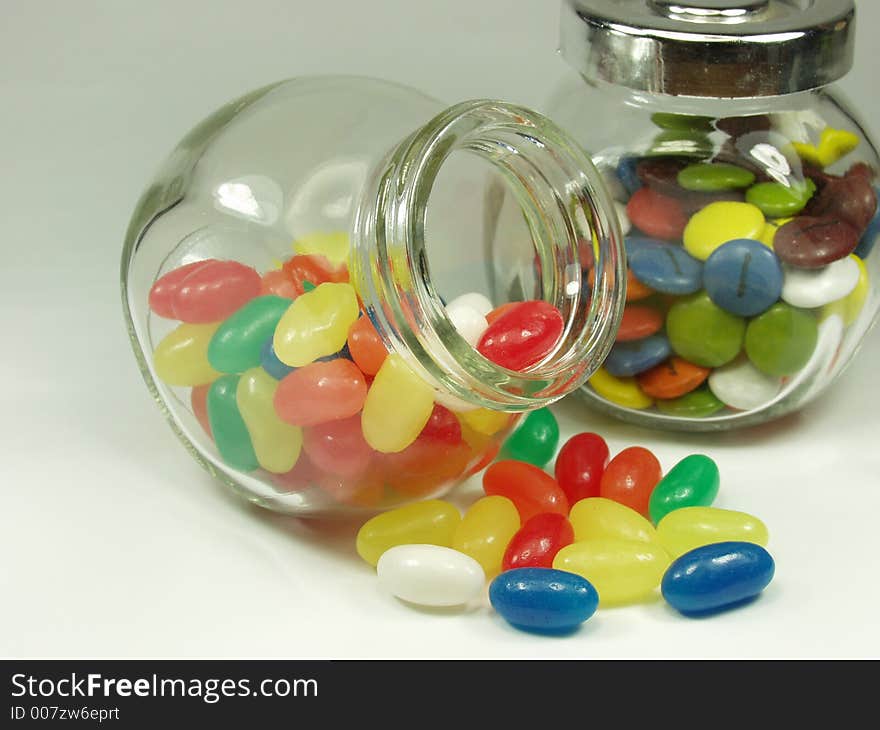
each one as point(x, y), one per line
point(746, 189)
point(309, 299)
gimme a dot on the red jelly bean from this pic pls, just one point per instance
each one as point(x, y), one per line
point(312, 268)
point(639, 322)
point(366, 347)
point(277, 283)
point(199, 401)
point(530, 489)
point(338, 447)
point(538, 541)
point(162, 293)
point(211, 292)
point(523, 335)
point(320, 392)
point(656, 214)
point(630, 478)
point(580, 465)
point(442, 426)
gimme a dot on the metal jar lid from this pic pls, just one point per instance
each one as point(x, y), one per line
point(710, 48)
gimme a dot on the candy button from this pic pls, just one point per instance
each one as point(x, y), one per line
point(535, 439)
point(667, 269)
point(717, 576)
point(635, 290)
point(781, 341)
point(580, 465)
point(672, 379)
point(430, 575)
point(718, 223)
point(692, 527)
point(530, 489)
point(238, 343)
point(833, 144)
point(228, 427)
point(621, 391)
point(741, 385)
point(598, 518)
point(656, 214)
point(626, 173)
point(543, 600)
point(661, 175)
point(181, 358)
point(692, 482)
point(630, 478)
point(635, 243)
point(850, 306)
point(270, 363)
point(631, 358)
point(703, 333)
point(638, 322)
point(682, 122)
point(699, 403)
point(622, 217)
point(777, 200)
point(432, 522)
point(319, 392)
point(809, 288)
point(811, 243)
point(709, 177)
point(743, 277)
point(681, 143)
point(851, 199)
point(485, 531)
point(523, 335)
point(537, 542)
point(276, 444)
point(770, 228)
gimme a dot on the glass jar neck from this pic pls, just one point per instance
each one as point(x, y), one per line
point(575, 236)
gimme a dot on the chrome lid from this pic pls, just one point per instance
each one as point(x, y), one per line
point(710, 48)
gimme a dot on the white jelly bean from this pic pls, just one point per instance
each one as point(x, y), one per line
point(474, 300)
point(811, 288)
point(430, 575)
point(469, 323)
point(741, 385)
point(625, 224)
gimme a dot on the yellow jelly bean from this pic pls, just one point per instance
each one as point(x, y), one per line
point(770, 228)
point(276, 444)
point(851, 305)
point(334, 245)
point(621, 571)
point(687, 528)
point(316, 324)
point(597, 518)
point(719, 223)
point(182, 357)
point(424, 523)
point(398, 405)
point(486, 529)
point(833, 144)
point(622, 391)
point(484, 421)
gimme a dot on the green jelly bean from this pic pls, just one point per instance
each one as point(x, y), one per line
point(227, 426)
point(692, 482)
point(703, 333)
point(670, 120)
point(535, 440)
point(777, 200)
point(237, 343)
point(711, 177)
point(308, 286)
point(781, 340)
point(699, 403)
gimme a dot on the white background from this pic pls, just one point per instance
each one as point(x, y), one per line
point(113, 541)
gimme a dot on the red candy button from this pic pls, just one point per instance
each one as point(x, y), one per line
point(656, 214)
point(639, 322)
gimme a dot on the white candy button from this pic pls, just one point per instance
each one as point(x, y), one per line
point(811, 288)
point(741, 385)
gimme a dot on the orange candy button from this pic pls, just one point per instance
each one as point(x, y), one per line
point(639, 322)
point(672, 379)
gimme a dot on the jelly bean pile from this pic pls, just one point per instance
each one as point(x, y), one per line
point(600, 532)
point(732, 272)
point(289, 376)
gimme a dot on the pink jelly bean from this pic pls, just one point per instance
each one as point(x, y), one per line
point(320, 392)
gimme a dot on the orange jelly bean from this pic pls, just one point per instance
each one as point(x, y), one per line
point(366, 347)
point(672, 379)
point(533, 491)
point(630, 477)
point(277, 283)
point(499, 311)
point(320, 392)
point(639, 322)
point(199, 402)
point(314, 269)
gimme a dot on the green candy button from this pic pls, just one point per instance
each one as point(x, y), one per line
point(703, 333)
point(777, 201)
point(707, 177)
point(781, 340)
point(699, 403)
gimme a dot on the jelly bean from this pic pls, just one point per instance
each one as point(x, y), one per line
point(635, 290)
point(277, 283)
point(630, 477)
point(719, 223)
point(316, 324)
point(623, 571)
point(238, 343)
point(208, 292)
point(442, 426)
point(367, 491)
point(486, 422)
point(833, 144)
point(708, 177)
point(812, 243)
point(270, 362)
point(692, 482)
point(740, 385)
point(537, 542)
point(530, 489)
point(276, 444)
point(535, 439)
point(631, 358)
point(199, 402)
point(777, 200)
point(485, 530)
point(321, 391)
point(344, 353)
point(424, 467)
point(743, 277)
point(338, 447)
point(638, 322)
point(181, 358)
point(228, 427)
point(303, 475)
point(432, 522)
point(467, 320)
point(580, 465)
point(781, 341)
point(475, 301)
point(499, 311)
point(692, 527)
point(717, 576)
point(770, 228)
point(366, 347)
point(523, 335)
point(430, 575)
point(543, 600)
point(598, 518)
point(672, 379)
point(810, 288)
point(307, 287)
point(851, 305)
point(656, 214)
point(703, 333)
point(667, 269)
point(332, 245)
point(621, 391)
point(699, 403)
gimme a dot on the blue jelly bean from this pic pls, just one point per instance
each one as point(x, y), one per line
point(270, 362)
point(543, 600)
point(343, 353)
point(871, 234)
point(668, 269)
point(717, 576)
point(626, 172)
point(636, 356)
point(743, 277)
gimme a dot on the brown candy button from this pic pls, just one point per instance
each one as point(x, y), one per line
point(851, 199)
point(811, 243)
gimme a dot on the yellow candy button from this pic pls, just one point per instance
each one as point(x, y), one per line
point(770, 228)
point(851, 305)
point(719, 223)
point(622, 391)
point(833, 144)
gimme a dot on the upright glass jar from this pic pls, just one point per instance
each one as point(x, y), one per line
point(286, 277)
point(746, 190)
